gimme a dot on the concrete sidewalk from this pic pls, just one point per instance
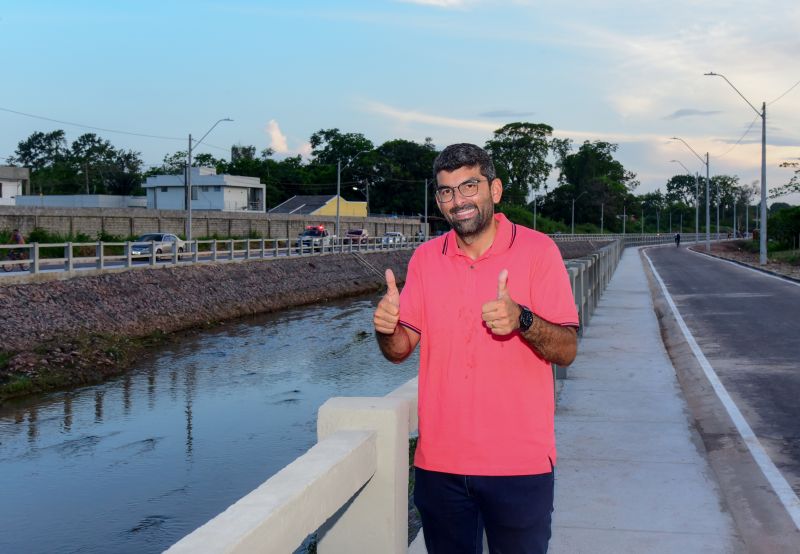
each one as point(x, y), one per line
point(632, 476)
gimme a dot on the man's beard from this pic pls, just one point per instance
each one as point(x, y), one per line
point(469, 228)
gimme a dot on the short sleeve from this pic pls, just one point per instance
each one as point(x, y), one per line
point(551, 292)
point(411, 304)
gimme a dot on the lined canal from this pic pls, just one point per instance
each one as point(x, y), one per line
point(134, 464)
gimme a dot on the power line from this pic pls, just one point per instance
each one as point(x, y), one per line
point(90, 126)
point(791, 88)
point(738, 141)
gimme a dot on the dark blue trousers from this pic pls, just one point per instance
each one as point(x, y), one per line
point(455, 509)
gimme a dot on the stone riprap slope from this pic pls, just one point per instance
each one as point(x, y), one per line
point(81, 330)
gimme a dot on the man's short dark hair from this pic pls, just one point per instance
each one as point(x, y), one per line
point(461, 155)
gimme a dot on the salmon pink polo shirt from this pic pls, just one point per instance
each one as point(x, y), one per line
point(485, 402)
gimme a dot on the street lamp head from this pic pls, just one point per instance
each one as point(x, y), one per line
point(712, 74)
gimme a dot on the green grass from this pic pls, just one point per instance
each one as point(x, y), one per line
point(786, 256)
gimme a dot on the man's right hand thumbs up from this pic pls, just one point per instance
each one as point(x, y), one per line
point(387, 314)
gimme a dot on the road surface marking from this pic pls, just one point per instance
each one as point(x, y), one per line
point(778, 482)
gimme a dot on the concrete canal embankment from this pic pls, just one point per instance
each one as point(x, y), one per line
point(82, 330)
point(66, 333)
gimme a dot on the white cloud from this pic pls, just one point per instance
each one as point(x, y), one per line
point(305, 150)
point(412, 116)
point(443, 122)
point(277, 140)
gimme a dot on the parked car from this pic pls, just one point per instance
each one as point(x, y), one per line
point(315, 237)
point(164, 243)
point(393, 237)
point(360, 236)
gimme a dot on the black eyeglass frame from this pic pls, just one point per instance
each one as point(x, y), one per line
point(463, 189)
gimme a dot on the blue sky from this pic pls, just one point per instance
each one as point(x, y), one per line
point(629, 72)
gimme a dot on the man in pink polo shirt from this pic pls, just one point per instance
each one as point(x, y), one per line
point(491, 307)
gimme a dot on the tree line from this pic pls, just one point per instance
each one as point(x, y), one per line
point(393, 175)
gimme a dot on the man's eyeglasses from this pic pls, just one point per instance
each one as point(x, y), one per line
point(467, 188)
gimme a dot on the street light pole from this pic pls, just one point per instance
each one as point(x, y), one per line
point(339, 188)
point(189, 181)
point(642, 228)
point(338, 194)
point(719, 199)
point(708, 206)
point(624, 220)
point(696, 201)
point(601, 218)
point(573, 210)
point(762, 239)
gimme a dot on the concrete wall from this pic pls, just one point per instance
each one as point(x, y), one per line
point(82, 201)
point(133, 222)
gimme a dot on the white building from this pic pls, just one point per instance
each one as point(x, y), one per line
point(226, 193)
point(13, 182)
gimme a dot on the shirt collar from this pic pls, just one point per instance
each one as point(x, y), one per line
point(503, 239)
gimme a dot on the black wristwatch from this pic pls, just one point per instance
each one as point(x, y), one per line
point(525, 318)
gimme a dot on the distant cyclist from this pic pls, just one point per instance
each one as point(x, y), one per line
point(678, 240)
point(16, 253)
point(16, 237)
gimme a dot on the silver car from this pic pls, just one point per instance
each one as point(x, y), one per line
point(163, 243)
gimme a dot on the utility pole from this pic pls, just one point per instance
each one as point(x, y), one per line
point(624, 220)
point(708, 210)
point(426, 209)
point(696, 207)
point(601, 218)
point(189, 194)
point(719, 198)
point(188, 181)
point(338, 194)
point(642, 221)
point(762, 238)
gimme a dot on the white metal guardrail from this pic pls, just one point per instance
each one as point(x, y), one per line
point(70, 256)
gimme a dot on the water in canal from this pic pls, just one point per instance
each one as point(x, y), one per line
point(134, 464)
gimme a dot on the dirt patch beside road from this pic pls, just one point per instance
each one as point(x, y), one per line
point(735, 250)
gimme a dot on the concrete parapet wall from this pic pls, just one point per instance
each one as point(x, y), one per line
point(126, 222)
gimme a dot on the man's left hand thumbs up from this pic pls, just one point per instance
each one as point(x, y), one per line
point(501, 316)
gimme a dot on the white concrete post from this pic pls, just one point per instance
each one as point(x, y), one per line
point(68, 263)
point(128, 257)
point(100, 254)
point(377, 518)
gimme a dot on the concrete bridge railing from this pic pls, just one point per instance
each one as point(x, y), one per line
point(352, 486)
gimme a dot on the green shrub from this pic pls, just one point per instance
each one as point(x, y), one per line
point(517, 214)
point(784, 227)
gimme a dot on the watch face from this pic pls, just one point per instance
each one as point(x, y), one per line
point(525, 318)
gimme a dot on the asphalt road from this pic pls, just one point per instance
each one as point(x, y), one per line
point(748, 326)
